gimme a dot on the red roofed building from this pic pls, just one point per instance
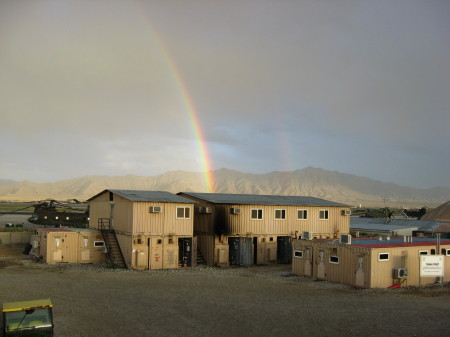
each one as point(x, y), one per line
point(374, 263)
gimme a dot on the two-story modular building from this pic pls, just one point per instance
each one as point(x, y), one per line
point(153, 229)
point(246, 229)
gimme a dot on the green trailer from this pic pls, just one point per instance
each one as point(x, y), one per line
point(30, 318)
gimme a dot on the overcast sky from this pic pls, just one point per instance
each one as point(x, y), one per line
point(359, 87)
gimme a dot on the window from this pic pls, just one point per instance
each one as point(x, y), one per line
point(257, 214)
point(302, 214)
point(298, 253)
point(280, 214)
point(433, 252)
point(99, 243)
point(183, 212)
point(423, 252)
point(334, 259)
point(323, 214)
point(383, 257)
point(445, 252)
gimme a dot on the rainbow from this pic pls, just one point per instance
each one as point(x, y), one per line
point(206, 162)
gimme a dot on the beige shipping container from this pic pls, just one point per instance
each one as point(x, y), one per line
point(371, 265)
point(64, 245)
point(91, 247)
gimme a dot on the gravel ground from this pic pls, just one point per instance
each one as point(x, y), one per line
point(92, 300)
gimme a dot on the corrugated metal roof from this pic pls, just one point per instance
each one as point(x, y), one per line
point(53, 229)
point(67, 229)
point(155, 196)
point(386, 244)
point(377, 223)
point(255, 199)
point(393, 242)
point(382, 227)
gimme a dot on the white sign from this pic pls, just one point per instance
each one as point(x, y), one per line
point(431, 265)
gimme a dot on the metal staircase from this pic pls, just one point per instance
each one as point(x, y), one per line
point(112, 245)
point(200, 258)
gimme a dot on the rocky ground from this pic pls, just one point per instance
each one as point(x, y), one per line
point(93, 300)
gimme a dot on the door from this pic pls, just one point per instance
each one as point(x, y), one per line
point(233, 255)
point(185, 252)
point(284, 249)
point(245, 252)
point(240, 251)
point(156, 261)
point(361, 270)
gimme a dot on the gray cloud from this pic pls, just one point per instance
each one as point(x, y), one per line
point(275, 85)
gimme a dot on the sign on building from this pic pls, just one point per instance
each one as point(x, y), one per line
point(431, 265)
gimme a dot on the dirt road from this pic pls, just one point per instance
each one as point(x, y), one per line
point(257, 301)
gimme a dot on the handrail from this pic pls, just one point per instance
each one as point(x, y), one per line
point(104, 224)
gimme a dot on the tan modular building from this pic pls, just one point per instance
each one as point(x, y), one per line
point(149, 229)
point(56, 245)
point(371, 263)
point(245, 229)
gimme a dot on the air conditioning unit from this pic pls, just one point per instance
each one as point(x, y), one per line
point(346, 212)
point(235, 210)
point(345, 239)
point(400, 273)
point(307, 236)
point(155, 209)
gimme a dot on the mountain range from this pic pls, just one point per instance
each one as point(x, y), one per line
point(335, 186)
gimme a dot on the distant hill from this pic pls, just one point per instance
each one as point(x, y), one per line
point(441, 213)
point(6, 182)
point(330, 185)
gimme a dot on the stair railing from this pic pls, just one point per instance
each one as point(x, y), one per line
point(104, 225)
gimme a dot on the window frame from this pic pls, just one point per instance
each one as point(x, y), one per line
point(282, 213)
point(383, 260)
point(184, 212)
point(300, 256)
point(333, 257)
point(103, 244)
point(326, 213)
point(258, 212)
point(304, 213)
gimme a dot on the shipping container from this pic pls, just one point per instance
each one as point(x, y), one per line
point(270, 222)
point(68, 245)
point(372, 263)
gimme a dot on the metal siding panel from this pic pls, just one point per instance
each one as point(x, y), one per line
point(194, 252)
point(242, 224)
point(98, 209)
point(125, 243)
point(123, 215)
point(206, 245)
